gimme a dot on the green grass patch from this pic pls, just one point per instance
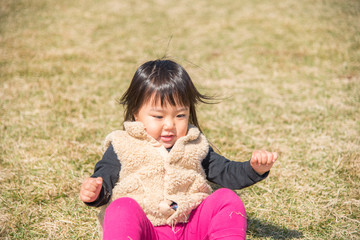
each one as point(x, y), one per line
point(287, 73)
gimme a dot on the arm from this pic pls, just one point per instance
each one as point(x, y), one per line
point(230, 174)
point(108, 168)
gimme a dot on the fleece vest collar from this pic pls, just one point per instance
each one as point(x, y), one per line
point(137, 130)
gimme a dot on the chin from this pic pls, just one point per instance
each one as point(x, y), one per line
point(167, 145)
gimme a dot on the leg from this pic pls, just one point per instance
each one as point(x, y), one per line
point(220, 216)
point(125, 220)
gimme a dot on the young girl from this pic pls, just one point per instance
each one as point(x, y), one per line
point(152, 179)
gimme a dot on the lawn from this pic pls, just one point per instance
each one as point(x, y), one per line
point(286, 74)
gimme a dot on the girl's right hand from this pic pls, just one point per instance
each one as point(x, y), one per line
point(90, 189)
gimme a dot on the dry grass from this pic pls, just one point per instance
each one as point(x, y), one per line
point(289, 72)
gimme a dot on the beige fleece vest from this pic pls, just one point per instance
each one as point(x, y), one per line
point(155, 177)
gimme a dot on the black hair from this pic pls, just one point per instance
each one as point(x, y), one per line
point(170, 83)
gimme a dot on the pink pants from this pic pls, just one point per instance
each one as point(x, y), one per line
point(220, 216)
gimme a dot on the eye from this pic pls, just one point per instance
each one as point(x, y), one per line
point(157, 117)
point(181, 115)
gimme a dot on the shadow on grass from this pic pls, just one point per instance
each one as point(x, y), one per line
point(260, 229)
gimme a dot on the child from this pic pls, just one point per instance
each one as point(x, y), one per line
point(152, 179)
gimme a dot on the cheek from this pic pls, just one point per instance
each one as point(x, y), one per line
point(183, 129)
point(153, 129)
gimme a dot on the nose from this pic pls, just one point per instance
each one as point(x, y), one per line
point(169, 124)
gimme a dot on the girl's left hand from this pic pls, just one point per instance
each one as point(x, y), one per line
point(262, 161)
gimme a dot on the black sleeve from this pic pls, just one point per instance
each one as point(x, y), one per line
point(108, 168)
point(230, 174)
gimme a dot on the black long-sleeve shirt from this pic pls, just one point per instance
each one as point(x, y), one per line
point(218, 169)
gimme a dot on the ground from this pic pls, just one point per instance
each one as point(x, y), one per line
point(286, 76)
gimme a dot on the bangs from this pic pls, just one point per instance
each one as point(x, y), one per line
point(164, 95)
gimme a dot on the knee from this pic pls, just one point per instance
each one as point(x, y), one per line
point(227, 195)
point(123, 216)
point(123, 205)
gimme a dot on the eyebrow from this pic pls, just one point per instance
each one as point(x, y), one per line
point(162, 110)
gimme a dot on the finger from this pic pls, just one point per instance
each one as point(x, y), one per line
point(95, 182)
point(89, 194)
point(90, 187)
point(99, 181)
point(270, 158)
point(88, 181)
point(257, 158)
point(253, 158)
point(87, 199)
point(84, 198)
point(275, 156)
point(264, 157)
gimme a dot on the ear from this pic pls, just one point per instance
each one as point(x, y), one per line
point(136, 117)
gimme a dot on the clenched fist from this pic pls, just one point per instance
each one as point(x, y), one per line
point(262, 161)
point(90, 189)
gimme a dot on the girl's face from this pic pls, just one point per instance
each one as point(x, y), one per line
point(165, 123)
